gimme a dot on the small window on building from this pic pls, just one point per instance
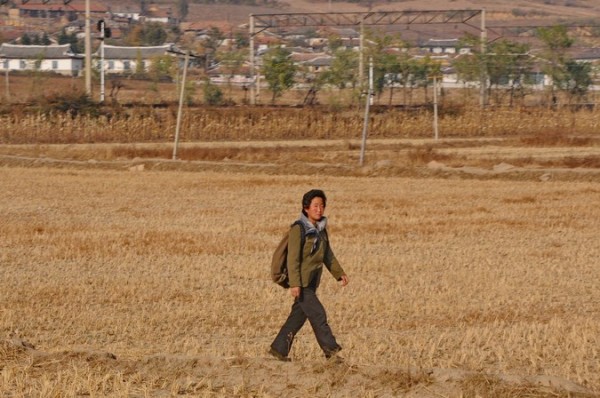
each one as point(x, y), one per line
point(22, 65)
point(5, 64)
point(54, 65)
point(111, 65)
point(126, 65)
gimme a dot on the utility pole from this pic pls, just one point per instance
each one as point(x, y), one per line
point(361, 67)
point(7, 85)
point(180, 110)
point(435, 108)
point(366, 119)
point(252, 63)
point(484, 77)
point(88, 51)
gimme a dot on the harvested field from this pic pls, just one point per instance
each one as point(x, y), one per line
point(154, 282)
point(473, 259)
point(556, 157)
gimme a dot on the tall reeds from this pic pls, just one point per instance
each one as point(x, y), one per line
point(146, 124)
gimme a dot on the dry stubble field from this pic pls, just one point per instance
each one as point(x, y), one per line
point(155, 283)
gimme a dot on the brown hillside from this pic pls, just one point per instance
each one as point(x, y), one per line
point(558, 10)
point(229, 18)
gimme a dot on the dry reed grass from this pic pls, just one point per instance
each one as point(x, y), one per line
point(540, 127)
point(168, 272)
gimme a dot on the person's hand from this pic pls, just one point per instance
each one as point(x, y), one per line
point(344, 280)
point(295, 291)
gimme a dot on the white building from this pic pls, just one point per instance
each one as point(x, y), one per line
point(119, 59)
point(53, 58)
point(445, 46)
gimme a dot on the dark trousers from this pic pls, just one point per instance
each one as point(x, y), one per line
point(307, 306)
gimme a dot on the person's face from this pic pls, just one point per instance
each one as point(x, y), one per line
point(315, 210)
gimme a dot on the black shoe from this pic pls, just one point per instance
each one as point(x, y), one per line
point(278, 355)
point(333, 353)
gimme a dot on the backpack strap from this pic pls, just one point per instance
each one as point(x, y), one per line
point(302, 241)
point(326, 235)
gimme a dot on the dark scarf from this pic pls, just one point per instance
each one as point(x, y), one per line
point(310, 229)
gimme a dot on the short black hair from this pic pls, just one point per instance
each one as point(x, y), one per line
point(310, 195)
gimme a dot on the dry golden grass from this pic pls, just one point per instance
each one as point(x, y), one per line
point(155, 284)
point(542, 127)
point(335, 119)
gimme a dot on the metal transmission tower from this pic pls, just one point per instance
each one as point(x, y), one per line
point(261, 22)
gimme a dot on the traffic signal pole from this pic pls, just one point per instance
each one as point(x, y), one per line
point(102, 30)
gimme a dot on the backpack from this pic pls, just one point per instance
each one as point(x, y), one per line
point(279, 269)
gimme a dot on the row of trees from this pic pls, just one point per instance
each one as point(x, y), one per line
point(511, 69)
point(35, 40)
point(389, 71)
point(508, 69)
point(281, 73)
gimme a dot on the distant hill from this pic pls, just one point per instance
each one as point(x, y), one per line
point(228, 17)
point(559, 10)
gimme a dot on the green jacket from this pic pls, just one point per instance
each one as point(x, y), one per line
point(312, 265)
